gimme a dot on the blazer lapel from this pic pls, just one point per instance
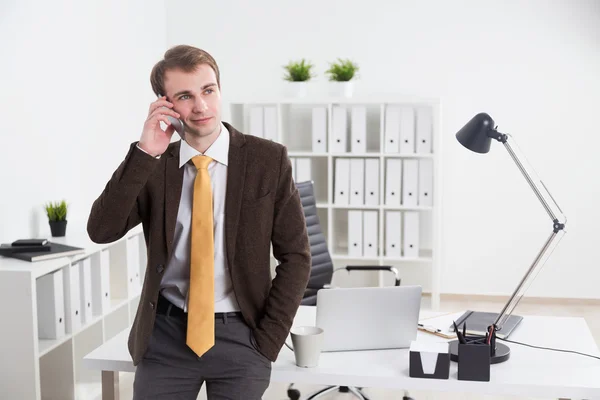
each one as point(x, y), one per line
point(173, 184)
point(236, 171)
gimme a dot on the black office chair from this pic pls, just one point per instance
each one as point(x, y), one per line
point(321, 274)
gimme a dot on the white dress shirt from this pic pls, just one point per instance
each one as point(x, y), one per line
point(176, 280)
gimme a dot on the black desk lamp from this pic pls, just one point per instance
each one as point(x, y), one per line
point(477, 136)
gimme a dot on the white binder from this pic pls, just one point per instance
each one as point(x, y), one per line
point(101, 298)
point(424, 130)
point(340, 130)
point(133, 266)
point(270, 123)
point(411, 234)
point(372, 182)
point(319, 130)
point(393, 174)
point(357, 181)
point(342, 181)
point(426, 182)
point(85, 289)
point(370, 234)
point(256, 121)
point(358, 129)
point(410, 181)
point(393, 233)
point(303, 169)
point(72, 298)
point(51, 306)
point(407, 130)
point(392, 129)
point(355, 233)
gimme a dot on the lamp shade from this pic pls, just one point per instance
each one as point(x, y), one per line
point(475, 134)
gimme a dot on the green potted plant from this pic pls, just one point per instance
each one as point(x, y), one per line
point(57, 217)
point(297, 74)
point(341, 74)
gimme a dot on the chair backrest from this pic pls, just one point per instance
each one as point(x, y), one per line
point(322, 266)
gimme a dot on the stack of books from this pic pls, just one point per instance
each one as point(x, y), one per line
point(37, 250)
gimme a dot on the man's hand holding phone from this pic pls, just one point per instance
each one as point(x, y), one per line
point(154, 140)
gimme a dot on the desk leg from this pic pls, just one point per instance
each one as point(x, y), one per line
point(110, 385)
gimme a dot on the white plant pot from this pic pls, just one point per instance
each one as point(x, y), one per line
point(296, 89)
point(341, 89)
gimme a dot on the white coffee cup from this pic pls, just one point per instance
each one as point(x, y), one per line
point(307, 344)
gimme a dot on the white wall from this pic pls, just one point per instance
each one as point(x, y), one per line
point(75, 92)
point(532, 65)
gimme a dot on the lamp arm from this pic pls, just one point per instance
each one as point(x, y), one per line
point(537, 191)
point(506, 140)
point(515, 298)
point(558, 225)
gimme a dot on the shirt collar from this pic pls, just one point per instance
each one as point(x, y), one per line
point(218, 151)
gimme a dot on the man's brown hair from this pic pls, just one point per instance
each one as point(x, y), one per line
point(183, 57)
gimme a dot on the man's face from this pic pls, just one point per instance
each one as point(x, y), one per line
point(197, 99)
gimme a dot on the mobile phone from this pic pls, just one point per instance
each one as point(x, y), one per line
point(177, 123)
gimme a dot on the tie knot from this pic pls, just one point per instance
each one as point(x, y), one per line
point(201, 162)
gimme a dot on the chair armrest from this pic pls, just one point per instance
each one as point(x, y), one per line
point(368, 268)
point(388, 268)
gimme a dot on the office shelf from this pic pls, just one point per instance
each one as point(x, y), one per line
point(291, 121)
point(374, 207)
point(306, 154)
point(53, 366)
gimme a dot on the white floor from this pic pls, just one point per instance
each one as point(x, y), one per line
point(591, 312)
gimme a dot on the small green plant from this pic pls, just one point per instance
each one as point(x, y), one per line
point(56, 211)
point(342, 70)
point(298, 71)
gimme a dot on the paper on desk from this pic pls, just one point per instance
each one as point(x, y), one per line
point(442, 322)
point(421, 346)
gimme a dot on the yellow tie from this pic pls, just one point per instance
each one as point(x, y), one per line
point(201, 303)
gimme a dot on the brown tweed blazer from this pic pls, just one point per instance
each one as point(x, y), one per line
point(262, 206)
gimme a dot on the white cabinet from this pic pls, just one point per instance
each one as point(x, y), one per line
point(57, 311)
point(375, 166)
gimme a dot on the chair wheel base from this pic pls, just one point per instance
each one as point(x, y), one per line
point(293, 394)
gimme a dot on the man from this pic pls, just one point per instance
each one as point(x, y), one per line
point(211, 205)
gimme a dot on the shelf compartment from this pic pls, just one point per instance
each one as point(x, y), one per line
point(83, 343)
point(297, 126)
point(312, 169)
point(350, 240)
point(355, 128)
point(57, 377)
point(117, 320)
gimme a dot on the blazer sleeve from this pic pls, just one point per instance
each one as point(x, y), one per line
point(291, 247)
point(115, 211)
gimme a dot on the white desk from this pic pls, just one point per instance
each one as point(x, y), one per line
point(528, 372)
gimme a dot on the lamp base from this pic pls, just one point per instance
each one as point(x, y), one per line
point(501, 354)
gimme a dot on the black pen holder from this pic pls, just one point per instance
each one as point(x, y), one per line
point(474, 361)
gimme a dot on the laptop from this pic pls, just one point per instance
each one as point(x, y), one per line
point(368, 318)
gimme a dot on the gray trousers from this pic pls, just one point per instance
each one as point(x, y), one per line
point(232, 369)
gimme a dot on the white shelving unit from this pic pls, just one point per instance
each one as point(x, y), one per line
point(33, 364)
point(291, 121)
